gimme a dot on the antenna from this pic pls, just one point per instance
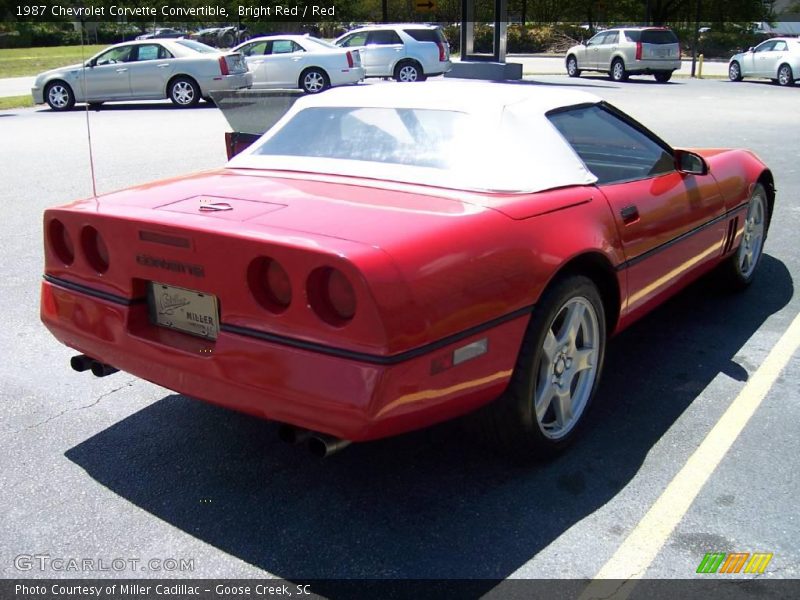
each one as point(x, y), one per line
point(88, 126)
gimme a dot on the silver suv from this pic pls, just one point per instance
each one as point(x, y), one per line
point(409, 52)
point(624, 51)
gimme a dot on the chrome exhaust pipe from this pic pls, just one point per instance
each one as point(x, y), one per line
point(293, 435)
point(322, 445)
point(81, 363)
point(102, 369)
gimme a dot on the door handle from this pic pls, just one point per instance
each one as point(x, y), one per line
point(121, 70)
point(629, 214)
point(163, 65)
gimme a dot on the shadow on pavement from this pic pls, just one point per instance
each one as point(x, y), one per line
point(430, 504)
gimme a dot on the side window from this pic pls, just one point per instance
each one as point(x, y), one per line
point(765, 47)
point(780, 46)
point(611, 38)
point(115, 55)
point(255, 49)
point(355, 40)
point(148, 52)
point(384, 37)
point(284, 47)
point(611, 148)
point(596, 40)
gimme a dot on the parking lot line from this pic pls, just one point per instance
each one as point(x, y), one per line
point(631, 560)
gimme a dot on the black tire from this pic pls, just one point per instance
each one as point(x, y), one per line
point(314, 81)
point(785, 75)
point(618, 72)
point(511, 423)
point(572, 67)
point(184, 92)
point(59, 95)
point(734, 71)
point(738, 271)
point(227, 40)
point(408, 71)
point(663, 76)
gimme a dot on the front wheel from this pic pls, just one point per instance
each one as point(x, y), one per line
point(572, 67)
point(184, 92)
point(734, 71)
point(663, 76)
point(618, 72)
point(741, 266)
point(314, 81)
point(557, 373)
point(785, 75)
point(59, 96)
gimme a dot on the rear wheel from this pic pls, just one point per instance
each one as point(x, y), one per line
point(557, 373)
point(59, 96)
point(785, 75)
point(618, 72)
point(734, 71)
point(572, 67)
point(663, 76)
point(313, 81)
point(184, 92)
point(741, 266)
point(408, 71)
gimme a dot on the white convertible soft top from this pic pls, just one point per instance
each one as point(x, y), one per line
point(503, 141)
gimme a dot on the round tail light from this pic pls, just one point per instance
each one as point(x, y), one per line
point(331, 296)
point(95, 249)
point(269, 282)
point(61, 242)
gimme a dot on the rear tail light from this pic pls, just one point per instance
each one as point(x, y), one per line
point(331, 296)
point(61, 242)
point(442, 53)
point(223, 65)
point(95, 249)
point(269, 282)
point(350, 62)
point(638, 50)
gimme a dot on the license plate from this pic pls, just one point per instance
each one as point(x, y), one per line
point(184, 310)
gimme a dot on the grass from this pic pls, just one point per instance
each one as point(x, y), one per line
point(16, 102)
point(22, 62)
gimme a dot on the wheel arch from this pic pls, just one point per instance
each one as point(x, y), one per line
point(407, 59)
point(768, 181)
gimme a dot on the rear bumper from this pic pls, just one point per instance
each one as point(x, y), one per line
point(347, 76)
point(322, 391)
point(651, 66)
point(236, 81)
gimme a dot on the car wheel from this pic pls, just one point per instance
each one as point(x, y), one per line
point(408, 71)
point(618, 72)
point(785, 75)
point(228, 40)
point(184, 92)
point(741, 266)
point(556, 375)
point(59, 96)
point(663, 76)
point(734, 71)
point(313, 81)
point(572, 67)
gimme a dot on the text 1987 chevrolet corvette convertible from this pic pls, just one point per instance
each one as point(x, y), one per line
point(389, 257)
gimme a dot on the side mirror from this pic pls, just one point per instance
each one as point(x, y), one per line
point(751, 49)
point(90, 63)
point(690, 163)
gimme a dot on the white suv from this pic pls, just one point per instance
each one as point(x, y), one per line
point(624, 51)
point(409, 52)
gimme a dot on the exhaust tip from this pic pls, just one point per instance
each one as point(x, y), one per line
point(322, 446)
point(81, 363)
point(101, 369)
point(293, 435)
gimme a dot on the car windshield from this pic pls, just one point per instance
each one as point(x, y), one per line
point(319, 42)
point(506, 151)
point(197, 46)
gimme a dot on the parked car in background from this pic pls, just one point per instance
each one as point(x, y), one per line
point(161, 33)
point(182, 70)
point(777, 59)
point(625, 51)
point(366, 268)
point(298, 61)
point(410, 52)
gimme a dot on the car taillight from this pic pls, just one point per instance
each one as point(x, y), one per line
point(223, 66)
point(638, 50)
point(61, 242)
point(331, 296)
point(442, 56)
point(269, 282)
point(94, 249)
point(350, 62)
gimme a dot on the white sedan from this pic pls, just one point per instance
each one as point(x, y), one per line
point(777, 58)
point(297, 61)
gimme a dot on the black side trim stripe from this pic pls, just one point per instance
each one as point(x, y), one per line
point(83, 289)
point(375, 359)
point(680, 238)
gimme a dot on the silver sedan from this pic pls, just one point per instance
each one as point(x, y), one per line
point(778, 59)
point(182, 70)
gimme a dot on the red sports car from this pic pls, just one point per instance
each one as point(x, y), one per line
point(388, 257)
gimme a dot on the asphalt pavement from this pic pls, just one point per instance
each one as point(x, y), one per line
point(121, 468)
